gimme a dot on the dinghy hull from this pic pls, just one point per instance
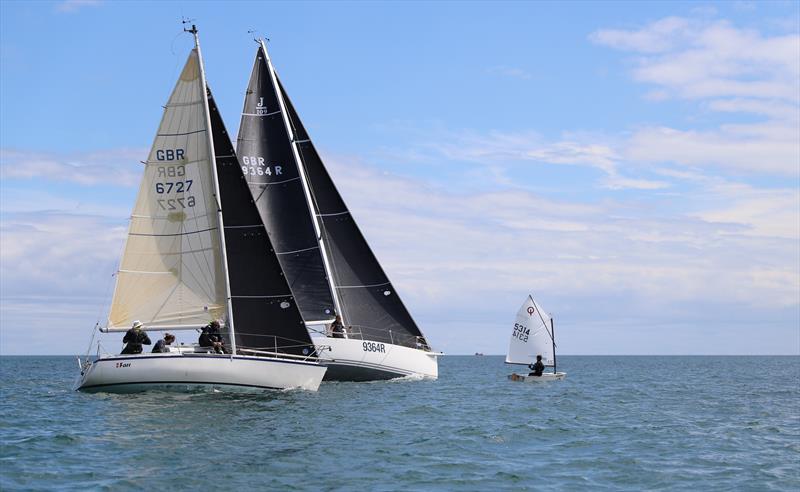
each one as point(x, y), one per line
point(187, 372)
point(548, 376)
point(351, 359)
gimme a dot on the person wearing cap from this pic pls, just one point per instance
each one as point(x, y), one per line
point(537, 368)
point(135, 338)
point(211, 337)
point(162, 346)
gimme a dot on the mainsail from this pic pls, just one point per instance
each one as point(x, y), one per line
point(368, 300)
point(269, 165)
point(266, 315)
point(171, 271)
point(532, 335)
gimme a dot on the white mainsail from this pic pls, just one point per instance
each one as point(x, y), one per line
point(532, 335)
point(171, 271)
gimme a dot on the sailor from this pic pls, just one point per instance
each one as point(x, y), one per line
point(134, 338)
point(211, 337)
point(162, 346)
point(336, 328)
point(537, 368)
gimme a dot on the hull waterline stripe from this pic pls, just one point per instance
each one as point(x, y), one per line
point(156, 383)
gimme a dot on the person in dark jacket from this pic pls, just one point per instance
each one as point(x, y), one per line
point(211, 337)
point(537, 368)
point(336, 329)
point(135, 338)
point(162, 346)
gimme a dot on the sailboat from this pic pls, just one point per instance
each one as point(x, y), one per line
point(196, 251)
point(533, 334)
point(327, 261)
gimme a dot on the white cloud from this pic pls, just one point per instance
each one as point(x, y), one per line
point(696, 59)
point(69, 6)
point(120, 167)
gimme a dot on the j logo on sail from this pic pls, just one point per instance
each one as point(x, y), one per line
point(260, 102)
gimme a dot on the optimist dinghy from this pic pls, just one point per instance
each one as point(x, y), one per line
point(533, 335)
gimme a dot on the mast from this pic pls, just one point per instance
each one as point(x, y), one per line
point(212, 160)
point(553, 337)
point(304, 180)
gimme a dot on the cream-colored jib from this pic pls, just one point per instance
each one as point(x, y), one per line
point(531, 335)
point(171, 270)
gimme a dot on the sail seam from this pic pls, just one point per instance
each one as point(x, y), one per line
point(297, 250)
point(145, 272)
point(331, 215)
point(244, 226)
point(179, 134)
point(176, 234)
point(361, 286)
point(267, 114)
point(276, 182)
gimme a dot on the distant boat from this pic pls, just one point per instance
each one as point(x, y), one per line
point(327, 260)
point(479, 354)
point(196, 251)
point(533, 334)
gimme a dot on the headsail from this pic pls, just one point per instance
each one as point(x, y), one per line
point(171, 269)
point(269, 166)
point(532, 335)
point(368, 300)
point(266, 315)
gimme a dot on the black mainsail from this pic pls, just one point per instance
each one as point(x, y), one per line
point(269, 166)
point(364, 294)
point(264, 310)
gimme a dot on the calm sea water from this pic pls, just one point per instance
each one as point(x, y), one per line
point(615, 423)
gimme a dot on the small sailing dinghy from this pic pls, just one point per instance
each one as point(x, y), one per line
point(533, 334)
point(327, 260)
point(196, 251)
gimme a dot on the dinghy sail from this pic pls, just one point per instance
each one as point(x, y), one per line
point(197, 251)
point(328, 262)
point(533, 335)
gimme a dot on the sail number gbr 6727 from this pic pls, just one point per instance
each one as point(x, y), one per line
point(172, 186)
point(520, 332)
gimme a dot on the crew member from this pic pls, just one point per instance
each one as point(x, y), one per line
point(134, 338)
point(537, 368)
point(211, 337)
point(162, 346)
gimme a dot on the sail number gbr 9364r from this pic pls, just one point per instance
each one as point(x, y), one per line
point(521, 333)
point(172, 186)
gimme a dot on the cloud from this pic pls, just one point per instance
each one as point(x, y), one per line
point(695, 59)
point(119, 167)
point(69, 6)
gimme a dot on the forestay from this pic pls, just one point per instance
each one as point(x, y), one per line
point(171, 269)
point(532, 335)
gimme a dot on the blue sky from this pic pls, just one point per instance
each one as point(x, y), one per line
point(633, 165)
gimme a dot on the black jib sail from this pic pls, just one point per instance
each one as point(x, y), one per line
point(270, 169)
point(366, 296)
point(265, 314)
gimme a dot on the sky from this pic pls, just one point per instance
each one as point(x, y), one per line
point(635, 166)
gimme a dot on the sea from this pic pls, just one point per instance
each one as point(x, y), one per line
point(615, 423)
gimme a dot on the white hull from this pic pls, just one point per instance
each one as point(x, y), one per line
point(547, 376)
point(351, 359)
point(181, 372)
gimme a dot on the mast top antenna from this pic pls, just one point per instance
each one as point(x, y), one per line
point(256, 36)
point(192, 29)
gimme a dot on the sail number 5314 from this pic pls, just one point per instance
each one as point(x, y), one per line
point(521, 333)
